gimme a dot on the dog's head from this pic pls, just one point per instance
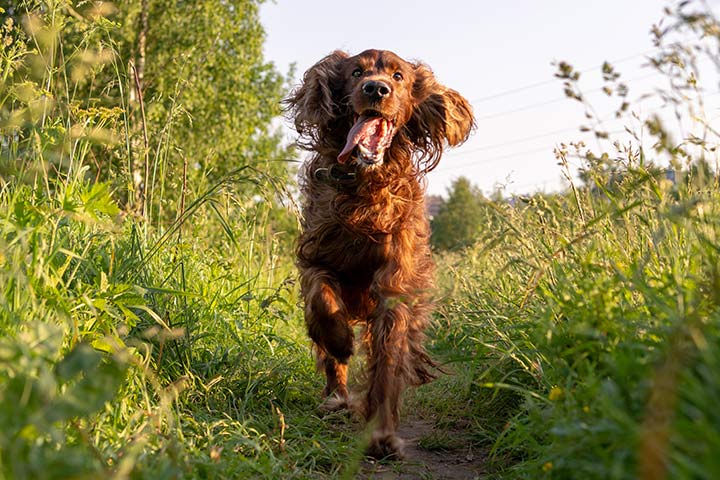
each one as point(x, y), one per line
point(359, 108)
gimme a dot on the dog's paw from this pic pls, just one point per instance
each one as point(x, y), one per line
point(386, 446)
point(335, 403)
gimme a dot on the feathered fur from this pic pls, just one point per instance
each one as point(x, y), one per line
point(363, 255)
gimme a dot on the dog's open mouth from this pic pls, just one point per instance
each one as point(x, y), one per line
point(370, 136)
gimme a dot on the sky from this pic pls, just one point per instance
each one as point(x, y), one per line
point(500, 56)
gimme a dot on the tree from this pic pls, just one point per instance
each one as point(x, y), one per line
point(205, 79)
point(199, 97)
point(460, 218)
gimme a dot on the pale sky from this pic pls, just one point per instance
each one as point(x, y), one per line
point(486, 50)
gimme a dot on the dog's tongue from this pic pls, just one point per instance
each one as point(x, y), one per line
point(368, 131)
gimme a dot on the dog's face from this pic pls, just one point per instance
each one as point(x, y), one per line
point(361, 107)
point(379, 87)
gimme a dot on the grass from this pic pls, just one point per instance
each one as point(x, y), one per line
point(582, 351)
point(581, 329)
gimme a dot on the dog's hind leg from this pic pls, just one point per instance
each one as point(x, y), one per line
point(396, 355)
point(387, 362)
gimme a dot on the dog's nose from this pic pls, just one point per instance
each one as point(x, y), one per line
point(376, 89)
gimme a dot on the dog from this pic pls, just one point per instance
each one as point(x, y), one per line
point(375, 124)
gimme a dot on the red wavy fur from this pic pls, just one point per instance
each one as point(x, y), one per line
point(363, 255)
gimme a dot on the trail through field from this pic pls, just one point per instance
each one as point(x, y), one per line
point(431, 452)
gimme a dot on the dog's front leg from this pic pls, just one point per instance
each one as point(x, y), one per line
point(328, 325)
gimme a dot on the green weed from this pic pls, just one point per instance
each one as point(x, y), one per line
point(593, 315)
point(149, 319)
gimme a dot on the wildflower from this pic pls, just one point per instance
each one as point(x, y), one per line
point(555, 393)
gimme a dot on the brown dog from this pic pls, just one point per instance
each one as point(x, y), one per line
point(376, 125)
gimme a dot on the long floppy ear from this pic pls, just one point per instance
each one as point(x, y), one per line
point(315, 103)
point(441, 117)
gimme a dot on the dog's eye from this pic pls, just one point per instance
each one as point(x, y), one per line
point(357, 72)
point(398, 76)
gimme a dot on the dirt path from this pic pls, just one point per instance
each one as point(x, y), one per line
point(431, 453)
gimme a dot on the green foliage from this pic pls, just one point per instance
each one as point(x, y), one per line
point(460, 218)
point(162, 97)
point(204, 72)
point(586, 327)
point(131, 350)
point(582, 328)
point(48, 395)
point(594, 315)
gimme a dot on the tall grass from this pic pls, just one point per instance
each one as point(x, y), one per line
point(582, 328)
point(131, 346)
point(596, 334)
point(593, 318)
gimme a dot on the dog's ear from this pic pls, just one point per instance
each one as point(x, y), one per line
point(315, 103)
point(441, 116)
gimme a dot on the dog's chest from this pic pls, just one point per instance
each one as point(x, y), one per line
point(375, 215)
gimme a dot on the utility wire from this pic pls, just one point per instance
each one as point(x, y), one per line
point(516, 141)
point(575, 128)
point(485, 161)
point(554, 80)
point(545, 148)
point(541, 135)
point(561, 99)
point(556, 100)
point(494, 159)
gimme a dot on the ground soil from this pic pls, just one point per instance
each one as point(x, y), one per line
point(431, 452)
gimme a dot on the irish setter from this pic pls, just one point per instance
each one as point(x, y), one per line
point(376, 124)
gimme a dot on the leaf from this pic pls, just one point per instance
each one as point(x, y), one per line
point(98, 200)
point(82, 358)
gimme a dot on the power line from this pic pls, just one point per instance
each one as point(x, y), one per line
point(561, 99)
point(556, 100)
point(521, 109)
point(525, 139)
point(541, 149)
point(494, 159)
point(484, 161)
point(545, 148)
point(541, 135)
point(554, 80)
point(516, 141)
point(512, 142)
point(513, 91)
